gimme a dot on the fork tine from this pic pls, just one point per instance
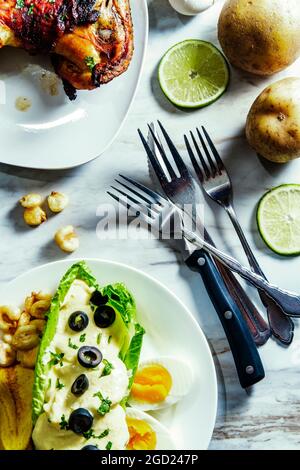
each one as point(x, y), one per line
point(139, 207)
point(156, 198)
point(210, 160)
point(203, 162)
point(154, 161)
point(214, 151)
point(162, 152)
point(145, 199)
point(175, 154)
point(146, 218)
point(193, 159)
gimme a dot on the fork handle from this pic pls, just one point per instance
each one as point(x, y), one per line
point(258, 327)
point(282, 326)
point(287, 301)
point(246, 357)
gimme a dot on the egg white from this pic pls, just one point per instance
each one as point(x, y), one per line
point(163, 436)
point(182, 380)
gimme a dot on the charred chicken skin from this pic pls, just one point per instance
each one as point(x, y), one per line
point(90, 41)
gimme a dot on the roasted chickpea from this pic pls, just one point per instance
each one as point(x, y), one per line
point(31, 200)
point(8, 317)
point(24, 319)
point(34, 216)
point(57, 202)
point(39, 308)
point(39, 325)
point(66, 239)
point(25, 338)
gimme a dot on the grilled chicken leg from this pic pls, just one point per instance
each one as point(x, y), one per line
point(90, 41)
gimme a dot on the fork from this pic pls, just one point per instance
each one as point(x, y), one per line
point(217, 184)
point(155, 210)
point(259, 329)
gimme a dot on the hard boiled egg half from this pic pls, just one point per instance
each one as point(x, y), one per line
point(146, 433)
point(160, 382)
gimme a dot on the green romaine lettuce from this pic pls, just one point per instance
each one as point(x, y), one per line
point(125, 330)
point(77, 271)
point(132, 356)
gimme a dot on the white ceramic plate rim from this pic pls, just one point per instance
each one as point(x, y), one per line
point(65, 165)
point(213, 385)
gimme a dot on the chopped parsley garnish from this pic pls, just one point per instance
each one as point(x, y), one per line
point(90, 433)
point(82, 338)
point(108, 445)
point(99, 338)
point(90, 62)
point(103, 434)
point(59, 385)
point(105, 404)
point(56, 358)
point(20, 4)
point(109, 339)
point(107, 368)
point(72, 345)
point(63, 423)
point(30, 10)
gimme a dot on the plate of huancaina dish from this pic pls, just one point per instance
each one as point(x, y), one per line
point(99, 356)
point(69, 72)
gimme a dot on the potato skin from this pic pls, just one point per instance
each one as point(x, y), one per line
point(273, 122)
point(260, 36)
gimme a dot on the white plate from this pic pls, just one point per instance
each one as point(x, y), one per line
point(171, 330)
point(56, 133)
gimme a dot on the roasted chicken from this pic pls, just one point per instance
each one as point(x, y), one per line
point(90, 41)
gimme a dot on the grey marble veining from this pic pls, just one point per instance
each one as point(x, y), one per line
point(267, 416)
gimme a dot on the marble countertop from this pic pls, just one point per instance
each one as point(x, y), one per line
point(267, 416)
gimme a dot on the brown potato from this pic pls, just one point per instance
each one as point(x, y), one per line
point(273, 123)
point(260, 36)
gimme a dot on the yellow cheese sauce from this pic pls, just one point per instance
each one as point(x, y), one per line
point(60, 401)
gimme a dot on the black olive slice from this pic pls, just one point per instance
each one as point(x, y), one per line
point(89, 356)
point(90, 447)
point(80, 421)
point(80, 385)
point(104, 316)
point(78, 321)
point(98, 299)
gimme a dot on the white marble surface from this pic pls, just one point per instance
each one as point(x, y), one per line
point(266, 417)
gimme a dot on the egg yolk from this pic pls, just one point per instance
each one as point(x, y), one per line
point(152, 384)
point(141, 435)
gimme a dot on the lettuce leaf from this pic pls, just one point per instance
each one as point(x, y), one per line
point(132, 356)
point(127, 332)
point(77, 271)
point(122, 301)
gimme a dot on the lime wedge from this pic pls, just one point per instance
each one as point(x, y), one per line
point(193, 74)
point(278, 219)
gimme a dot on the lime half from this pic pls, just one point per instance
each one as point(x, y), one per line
point(278, 219)
point(193, 74)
